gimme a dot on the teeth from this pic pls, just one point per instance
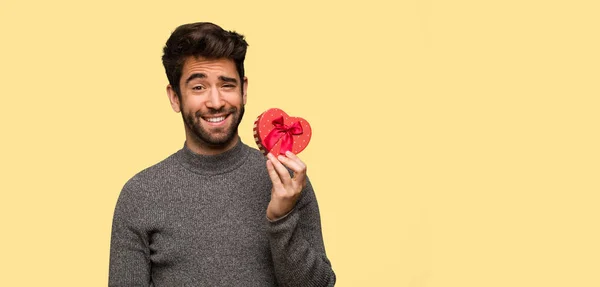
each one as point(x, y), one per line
point(215, 120)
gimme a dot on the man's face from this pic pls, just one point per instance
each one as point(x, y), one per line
point(211, 102)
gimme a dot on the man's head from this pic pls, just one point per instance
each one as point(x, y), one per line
point(205, 40)
point(205, 68)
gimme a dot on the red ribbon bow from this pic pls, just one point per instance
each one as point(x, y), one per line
point(282, 131)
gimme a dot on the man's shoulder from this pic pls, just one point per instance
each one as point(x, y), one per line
point(153, 174)
point(255, 154)
point(256, 159)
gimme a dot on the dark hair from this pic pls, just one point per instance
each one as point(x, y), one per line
point(201, 39)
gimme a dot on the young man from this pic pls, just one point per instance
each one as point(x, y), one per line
point(216, 212)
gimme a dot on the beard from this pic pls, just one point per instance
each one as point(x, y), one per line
point(219, 137)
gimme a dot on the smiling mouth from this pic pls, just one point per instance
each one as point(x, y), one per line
point(215, 120)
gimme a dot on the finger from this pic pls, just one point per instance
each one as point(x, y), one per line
point(291, 164)
point(295, 158)
point(300, 173)
point(273, 174)
point(283, 173)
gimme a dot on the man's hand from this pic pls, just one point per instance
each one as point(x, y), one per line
point(286, 189)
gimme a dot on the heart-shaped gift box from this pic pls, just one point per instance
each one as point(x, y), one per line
point(276, 132)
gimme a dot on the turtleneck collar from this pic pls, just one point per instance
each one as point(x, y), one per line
point(213, 164)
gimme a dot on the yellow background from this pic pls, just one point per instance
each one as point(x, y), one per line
point(455, 142)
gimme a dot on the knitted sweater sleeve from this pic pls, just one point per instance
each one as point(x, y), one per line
point(297, 246)
point(129, 250)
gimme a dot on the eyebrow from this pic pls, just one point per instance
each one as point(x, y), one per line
point(228, 79)
point(203, 76)
point(195, 76)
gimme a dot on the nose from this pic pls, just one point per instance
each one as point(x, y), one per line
point(215, 101)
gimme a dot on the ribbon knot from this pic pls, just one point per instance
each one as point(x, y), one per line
point(283, 132)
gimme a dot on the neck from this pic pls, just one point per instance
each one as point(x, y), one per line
point(213, 164)
point(202, 148)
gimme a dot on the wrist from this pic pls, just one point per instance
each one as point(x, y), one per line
point(273, 218)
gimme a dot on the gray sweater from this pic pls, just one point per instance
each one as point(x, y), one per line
point(194, 220)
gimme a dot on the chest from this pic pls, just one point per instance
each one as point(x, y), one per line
point(210, 223)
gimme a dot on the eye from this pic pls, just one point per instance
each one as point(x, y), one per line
point(229, 86)
point(198, 88)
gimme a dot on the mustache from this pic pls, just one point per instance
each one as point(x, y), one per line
point(211, 112)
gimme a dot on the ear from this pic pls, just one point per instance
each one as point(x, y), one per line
point(174, 99)
point(245, 90)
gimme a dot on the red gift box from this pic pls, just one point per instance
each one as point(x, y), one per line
point(276, 132)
